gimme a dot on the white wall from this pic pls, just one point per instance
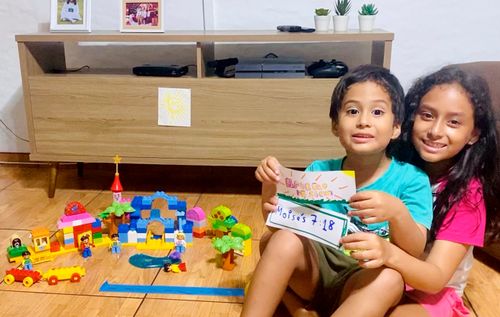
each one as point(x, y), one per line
point(428, 35)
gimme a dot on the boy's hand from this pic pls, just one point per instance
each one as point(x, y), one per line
point(268, 173)
point(370, 250)
point(373, 206)
point(268, 170)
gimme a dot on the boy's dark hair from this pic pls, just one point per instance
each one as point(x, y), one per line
point(479, 160)
point(376, 74)
point(26, 253)
point(114, 235)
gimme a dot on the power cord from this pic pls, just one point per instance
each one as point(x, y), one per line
point(17, 136)
point(70, 70)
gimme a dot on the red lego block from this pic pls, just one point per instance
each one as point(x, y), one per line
point(55, 246)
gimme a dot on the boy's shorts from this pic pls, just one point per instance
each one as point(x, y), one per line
point(446, 303)
point(335, 268)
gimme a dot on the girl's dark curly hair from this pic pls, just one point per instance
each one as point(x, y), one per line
point(479, 160)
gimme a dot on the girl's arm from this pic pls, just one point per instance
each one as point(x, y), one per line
point(433, 274)
point(429, 275)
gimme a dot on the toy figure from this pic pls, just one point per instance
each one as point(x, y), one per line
point(27, 263)
point(115, 245)
point(15, 241)
point(179, 241)
point(85, 246)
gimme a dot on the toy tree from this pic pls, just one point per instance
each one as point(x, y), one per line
point(222, 220)
point(115, 215)
point(226, 246)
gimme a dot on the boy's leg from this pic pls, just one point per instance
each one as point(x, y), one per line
point(287, 260)
point(378, 289)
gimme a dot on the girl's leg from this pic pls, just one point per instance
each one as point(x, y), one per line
point(378, 290)
point(287, 260)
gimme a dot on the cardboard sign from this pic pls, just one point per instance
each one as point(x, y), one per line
point(297, 190)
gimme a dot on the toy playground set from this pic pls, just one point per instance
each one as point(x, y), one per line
point(125, 225)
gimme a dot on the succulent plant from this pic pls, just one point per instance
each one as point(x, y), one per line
point(322, 11)
point(368, 9)
point(342, 7)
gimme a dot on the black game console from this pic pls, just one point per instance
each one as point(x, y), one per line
point(160, 70)
point(332, 69)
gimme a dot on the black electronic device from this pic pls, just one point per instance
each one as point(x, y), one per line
point(224, 67)
point(294, 28)
point(331, 69)
point(160, 70)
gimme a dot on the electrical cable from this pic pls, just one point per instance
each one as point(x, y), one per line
point(17, 136)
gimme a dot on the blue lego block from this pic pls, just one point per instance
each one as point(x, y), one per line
point(146, 202)
point(123, 237)
point(97, 223)
point(181, 205)
point(181, 222)
point(155, 214)
point(133, 224)
point(123, 227)
point(142, 226)
point(136, 203)
point(187, 227)
point(188, 237)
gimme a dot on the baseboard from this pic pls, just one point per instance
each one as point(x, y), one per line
point(14, 157)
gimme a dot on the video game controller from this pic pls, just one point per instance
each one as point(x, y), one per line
point(332, 69)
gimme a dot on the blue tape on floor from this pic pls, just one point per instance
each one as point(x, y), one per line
point(165, 289)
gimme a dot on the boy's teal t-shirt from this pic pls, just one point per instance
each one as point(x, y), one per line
point(402, 180)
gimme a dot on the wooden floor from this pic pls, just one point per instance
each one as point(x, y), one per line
point(24, 205)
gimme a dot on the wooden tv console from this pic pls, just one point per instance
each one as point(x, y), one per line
point(92, 116)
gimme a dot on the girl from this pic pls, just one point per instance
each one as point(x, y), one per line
point(70, 11)
point(449, 131)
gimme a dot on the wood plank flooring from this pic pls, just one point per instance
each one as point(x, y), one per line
point(24, 205)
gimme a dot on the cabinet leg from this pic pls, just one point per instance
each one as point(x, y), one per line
point(54, 167)
point(79, 169)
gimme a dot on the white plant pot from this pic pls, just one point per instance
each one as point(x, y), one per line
point(322, 23)
point(366, 23)
point(340, 23)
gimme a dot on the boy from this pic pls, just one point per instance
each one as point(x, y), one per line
point(394, 199)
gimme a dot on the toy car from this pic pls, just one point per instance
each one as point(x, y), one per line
point(72, 273)
point(28, 277)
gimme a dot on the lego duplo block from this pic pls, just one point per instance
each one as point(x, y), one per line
point(199, 223)
point(67, 230)
point(199, 235)
point(69, 236)
point(55, 246)
point(142, 226)
point(97, 223)
point(97, 229)
point(123, 237)
point(141, 237)
point(155, 214)
point(169, 237)
point(181, 205)
point(69, 241)
point(188, 237)
point(123, 227)
point(98, 240)
point(196, 214)
point(132, 236)
point(241, 230)
point(137, 203)
point(187, 227)
point(82, 228)
point(97, 235)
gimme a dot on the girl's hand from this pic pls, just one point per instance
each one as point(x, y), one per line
point(373, 206)
point(268, 170)
point(370, 250)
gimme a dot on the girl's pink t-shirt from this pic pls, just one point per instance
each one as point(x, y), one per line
point(466, 221)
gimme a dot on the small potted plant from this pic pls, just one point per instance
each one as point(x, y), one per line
point(341, 19)
point(367, 17)
point(322, 19)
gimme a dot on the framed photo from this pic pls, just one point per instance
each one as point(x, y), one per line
point(141, 16)
point(70, 15)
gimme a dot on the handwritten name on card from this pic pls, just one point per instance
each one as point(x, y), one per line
point(323, 225)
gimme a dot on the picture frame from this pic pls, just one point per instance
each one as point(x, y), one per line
point(70, 16)
point(141, 16)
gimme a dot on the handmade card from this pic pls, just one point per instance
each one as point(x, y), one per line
point(297, 190)
point(174, 107)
